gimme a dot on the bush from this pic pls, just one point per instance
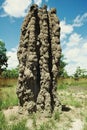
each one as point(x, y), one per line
point(13, 73)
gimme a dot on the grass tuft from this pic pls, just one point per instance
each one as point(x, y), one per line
point(62, 86)
point(2, 121)
point(19, 126)
point(34, 120)
point(57, 115)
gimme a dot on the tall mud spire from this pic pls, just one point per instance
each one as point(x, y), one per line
point(39, 56)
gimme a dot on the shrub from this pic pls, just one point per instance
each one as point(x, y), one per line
point(13, 73)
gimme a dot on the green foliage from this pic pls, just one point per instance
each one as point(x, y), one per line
point(62, 72)
point(69, 97)
point(16, 126)
point(85, 126)
point(13, 73)
point(2, 121)
point(64, 83)
point(57, 116)
point(75, 103)
point(71, 101)
point(3, 57)
point(62, 86)
point(8, 97)
point(45, 126)
point(48, 125)
point(42, 127)
point(80, 73)
point(34, 120)
point(19, 126)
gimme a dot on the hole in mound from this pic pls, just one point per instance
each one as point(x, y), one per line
point(65, 108)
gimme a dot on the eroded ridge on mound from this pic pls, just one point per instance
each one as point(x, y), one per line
point(39, 55)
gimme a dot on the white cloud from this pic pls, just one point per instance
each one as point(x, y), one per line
point(76, 56)
point(85, 46)
point(80, 20)
point(72, 54)
point(65, 29)
point(74, 40)
point(12, 60)
point(16, 8)
point(3, 15)
point(74, 44)
point(81, 61)
point(48, 8)
point(71, 68)
point(38, 2)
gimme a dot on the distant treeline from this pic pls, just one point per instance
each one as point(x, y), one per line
point(80, 73)
point(10, 73)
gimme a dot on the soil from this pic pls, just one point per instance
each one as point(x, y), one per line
point(77, 125)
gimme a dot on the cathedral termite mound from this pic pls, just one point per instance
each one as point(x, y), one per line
point(39, 56)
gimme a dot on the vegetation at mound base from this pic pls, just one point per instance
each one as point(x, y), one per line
point(8, 97)
point(72, 94)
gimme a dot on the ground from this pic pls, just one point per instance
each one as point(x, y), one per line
point(72, 117)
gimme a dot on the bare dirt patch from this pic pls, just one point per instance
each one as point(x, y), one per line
point(77, 125)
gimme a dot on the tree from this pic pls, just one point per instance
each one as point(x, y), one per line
point(3, 57)
point(80, 73)
point(13, 73)
point(62, 71)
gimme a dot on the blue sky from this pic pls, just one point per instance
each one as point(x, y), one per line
point(73, 22)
